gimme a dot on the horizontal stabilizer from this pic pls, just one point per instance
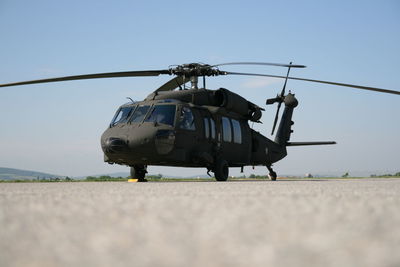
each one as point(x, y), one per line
point(310, 143)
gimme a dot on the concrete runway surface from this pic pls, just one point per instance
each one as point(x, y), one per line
point(252, 223)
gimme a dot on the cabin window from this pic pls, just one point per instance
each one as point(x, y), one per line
point(163, 114)
point(212, 124)
point(122, 115)
point(187, 119)
point(206, 128)
point(209, 128)
point(237, 132)
point(226, 130)
point(139, 113)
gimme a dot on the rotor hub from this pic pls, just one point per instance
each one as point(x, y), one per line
point(195, 70)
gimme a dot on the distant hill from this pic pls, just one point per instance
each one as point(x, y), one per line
point(17, 174)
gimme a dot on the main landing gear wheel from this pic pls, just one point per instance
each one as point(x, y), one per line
point(221, 170)
point(138, 172)
point(272, 175)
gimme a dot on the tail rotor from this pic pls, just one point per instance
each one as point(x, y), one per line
point(279, 99)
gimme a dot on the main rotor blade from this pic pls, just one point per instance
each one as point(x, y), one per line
point(173, 83)
point(381, 90)
point(93, 76)
point(260, 63)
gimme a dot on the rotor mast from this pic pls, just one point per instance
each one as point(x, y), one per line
point(195, 70)
point(194, 80)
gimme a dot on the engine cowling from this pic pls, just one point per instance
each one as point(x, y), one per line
point(234, 102)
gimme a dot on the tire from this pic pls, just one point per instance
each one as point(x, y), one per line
point(221, 170)
point(272, 176)
point(138, 172)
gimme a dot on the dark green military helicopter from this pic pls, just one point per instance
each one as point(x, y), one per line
point(197, 127)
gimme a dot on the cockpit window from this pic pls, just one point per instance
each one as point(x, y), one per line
point(122, 115)
point(164, 114)
point(187, 119)
point(139, 113)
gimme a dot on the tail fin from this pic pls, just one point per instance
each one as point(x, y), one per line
point(285, 126)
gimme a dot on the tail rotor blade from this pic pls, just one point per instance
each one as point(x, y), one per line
point(280, 98)
point(276, 118)
point(287, 75)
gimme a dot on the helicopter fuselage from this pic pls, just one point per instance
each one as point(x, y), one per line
point(166, 130)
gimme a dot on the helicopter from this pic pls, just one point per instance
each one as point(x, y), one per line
point(184, 126)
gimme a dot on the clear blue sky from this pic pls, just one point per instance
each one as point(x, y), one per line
point(56, 127)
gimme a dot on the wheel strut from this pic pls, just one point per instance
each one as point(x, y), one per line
point(138, 172)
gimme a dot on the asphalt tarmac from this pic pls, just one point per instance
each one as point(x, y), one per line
point(353, 222)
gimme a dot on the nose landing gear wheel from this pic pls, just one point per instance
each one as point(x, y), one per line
point(138, 172)
point(221, 170)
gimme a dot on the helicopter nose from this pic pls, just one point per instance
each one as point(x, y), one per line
point(115, 145)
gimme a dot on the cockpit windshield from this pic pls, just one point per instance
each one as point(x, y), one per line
point(164, 114)
point(122, 115)
point(139, 114)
